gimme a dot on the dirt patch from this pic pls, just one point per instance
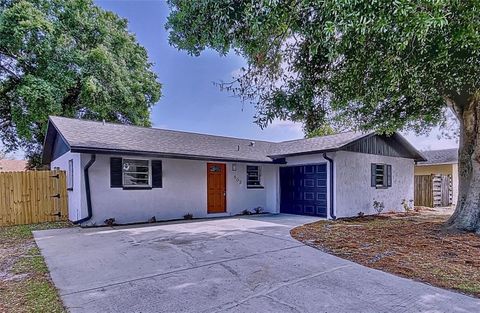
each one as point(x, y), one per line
point(412, 245)
point(25, 284)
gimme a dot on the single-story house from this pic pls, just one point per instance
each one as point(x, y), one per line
point(437, 178)
point(134, 173)
point(13, 165)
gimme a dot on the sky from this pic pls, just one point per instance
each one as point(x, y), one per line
point(190, 100)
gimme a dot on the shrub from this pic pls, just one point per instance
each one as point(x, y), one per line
point(110, 221)
point(378, 206)
point(407, 205)
point(188, 216)
point(246, 212)
point(361, 214)
point(258, 210)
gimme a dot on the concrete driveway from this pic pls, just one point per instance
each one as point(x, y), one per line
point(223, 265)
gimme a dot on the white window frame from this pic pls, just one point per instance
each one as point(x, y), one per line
point(149, 185)
point(259, 174)
point(70, 175)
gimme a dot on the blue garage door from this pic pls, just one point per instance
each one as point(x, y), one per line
point(304, 190)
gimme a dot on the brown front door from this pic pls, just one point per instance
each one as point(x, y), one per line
point(216, 188)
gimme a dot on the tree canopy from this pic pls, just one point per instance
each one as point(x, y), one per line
point(361, 64)
point(68, 58)
point(382, 65)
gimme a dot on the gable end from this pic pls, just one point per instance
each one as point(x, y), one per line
point(380, 145)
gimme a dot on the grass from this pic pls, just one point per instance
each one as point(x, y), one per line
point(410, 245)
point(25, 284)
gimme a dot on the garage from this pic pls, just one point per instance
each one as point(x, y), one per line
point(304, 190)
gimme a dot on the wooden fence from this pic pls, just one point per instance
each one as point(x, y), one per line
point(433, 190)
point(423, 190)
point(32, 197)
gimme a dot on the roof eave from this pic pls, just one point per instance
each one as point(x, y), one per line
point(79, 149)
point(433, 164)
point(49, 141)
point(277, 156)
point(418, 156)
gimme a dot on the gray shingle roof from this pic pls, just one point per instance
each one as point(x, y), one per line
point(299, 146)
point(444, 156)
point(83, 135)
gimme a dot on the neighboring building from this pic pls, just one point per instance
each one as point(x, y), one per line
point(442, 167)
point(134, 173)
point(12, 165)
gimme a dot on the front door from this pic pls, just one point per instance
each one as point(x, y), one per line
point(216, 188)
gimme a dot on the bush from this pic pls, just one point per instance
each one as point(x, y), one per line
point(188, 216)
point(378, 206)
point(246, 212)
point(258, 210)
point(110, 221)
point(407, 205)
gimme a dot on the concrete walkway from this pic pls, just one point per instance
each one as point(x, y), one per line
point(223, 265)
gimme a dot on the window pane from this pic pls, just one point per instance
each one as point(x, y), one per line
point(380, 175)
point(135, 166)
point(136, 172)
point(253, 175)
point(70, 174)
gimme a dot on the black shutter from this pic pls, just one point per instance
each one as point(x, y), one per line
point(116, 173)
point(389, 176)
point(373, 175)
point(156, 174)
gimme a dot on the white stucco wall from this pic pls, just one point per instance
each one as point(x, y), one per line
point(184, 191)
point(354, 193)
point(185, 188)
point(74, 195)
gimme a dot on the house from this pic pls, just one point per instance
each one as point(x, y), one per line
point(134, 173)
point(12, 165)
point(436, 178)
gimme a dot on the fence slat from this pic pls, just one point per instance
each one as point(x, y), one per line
point(423, 190)
point(28, 197)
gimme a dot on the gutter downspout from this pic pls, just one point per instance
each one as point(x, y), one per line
point(332, 194)
point(87, 190)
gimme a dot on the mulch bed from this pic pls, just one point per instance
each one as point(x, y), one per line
point(410, 245)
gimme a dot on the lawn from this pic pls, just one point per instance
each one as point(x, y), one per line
point(25, 284)
point(411, 245)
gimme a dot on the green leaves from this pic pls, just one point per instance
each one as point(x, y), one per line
point(365, 64)
point(68, 58)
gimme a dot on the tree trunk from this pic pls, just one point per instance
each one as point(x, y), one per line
point(467, 213)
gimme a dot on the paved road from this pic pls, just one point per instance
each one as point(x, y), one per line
point(223, 265)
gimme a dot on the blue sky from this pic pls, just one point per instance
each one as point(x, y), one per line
point(190, 101)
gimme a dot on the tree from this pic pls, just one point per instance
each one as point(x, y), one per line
point(68, 58)
point(373, 65)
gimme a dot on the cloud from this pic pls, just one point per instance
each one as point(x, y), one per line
point(284, 130)
point(431, 141)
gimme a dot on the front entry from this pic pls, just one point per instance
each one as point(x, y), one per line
point(216, 188)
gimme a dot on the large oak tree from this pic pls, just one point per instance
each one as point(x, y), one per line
point(68, 58)
point(364, 64)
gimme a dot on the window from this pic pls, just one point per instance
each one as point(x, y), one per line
point(253, 176)
point(381, 175)
point(136, 173)
point(70, 175)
